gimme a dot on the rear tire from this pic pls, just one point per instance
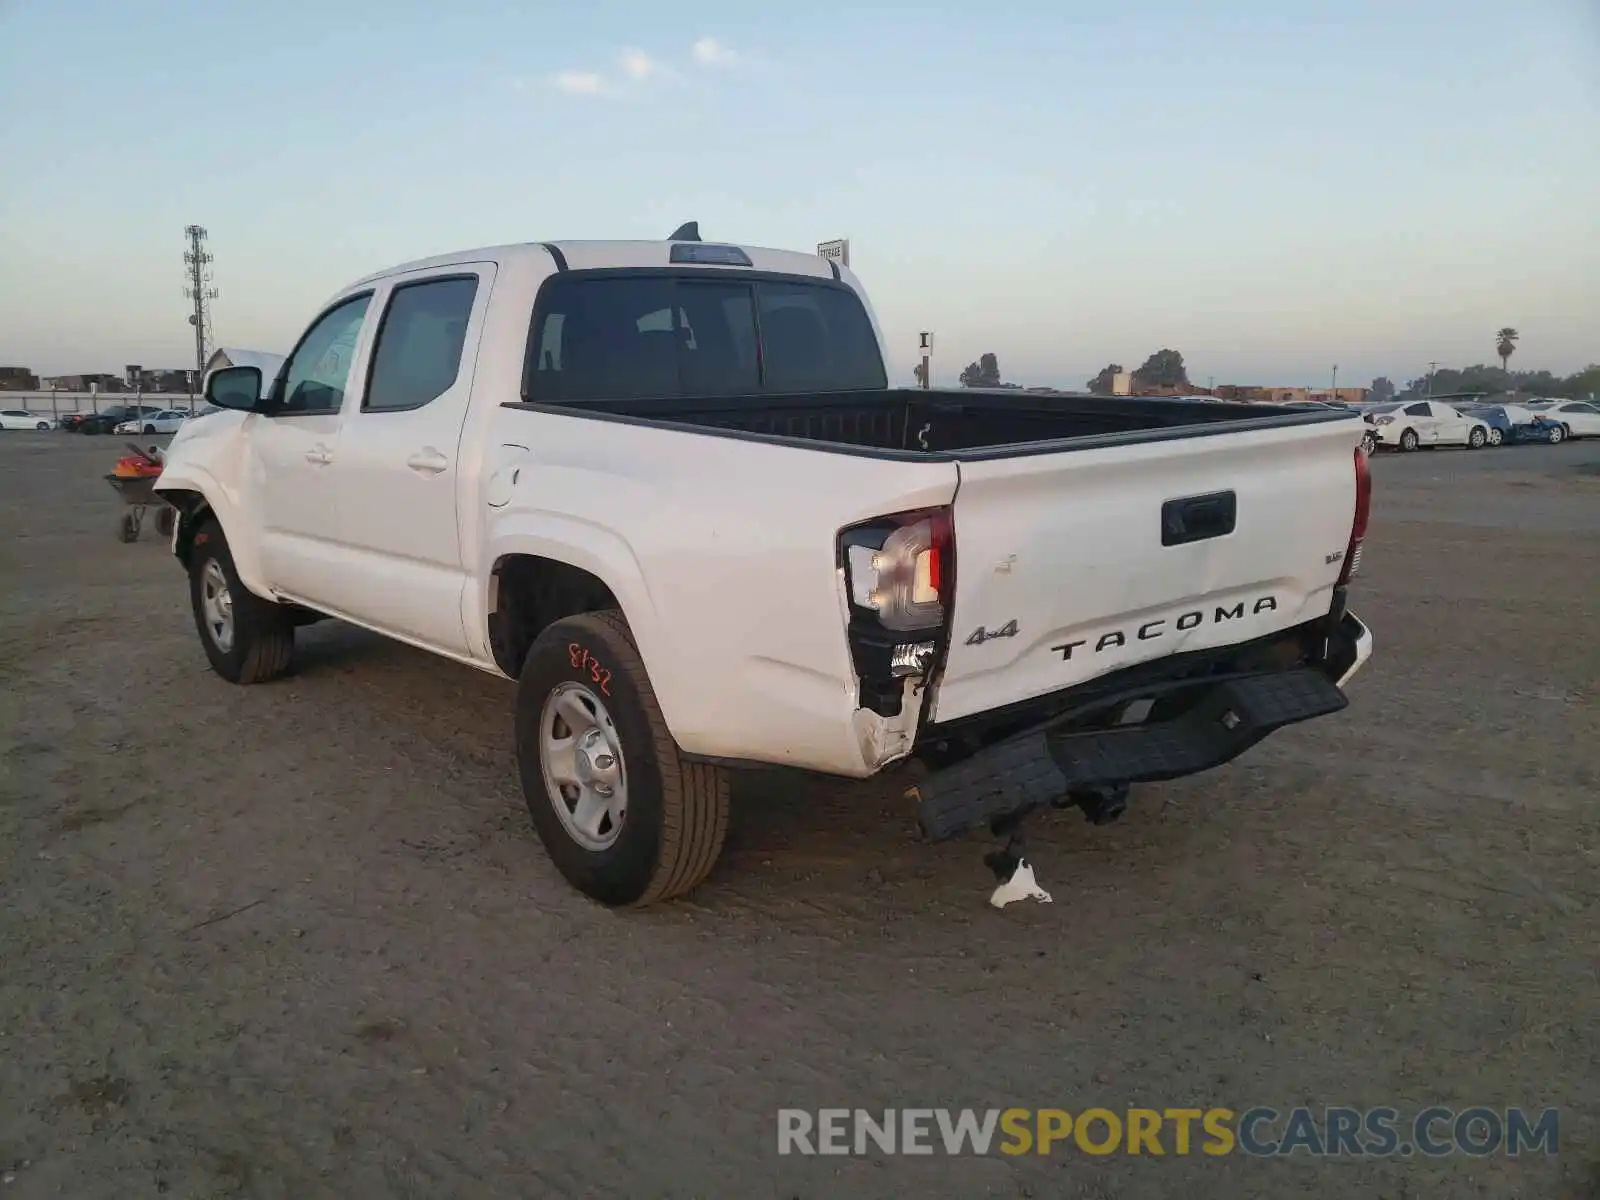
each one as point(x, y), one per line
point(248, 639)
point(668, 831)
point(1477, 439)
point(1558, 435)
point(149, 430)
point(1409, 441)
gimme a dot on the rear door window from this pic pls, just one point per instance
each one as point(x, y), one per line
point(418, 352)
point(682, 336)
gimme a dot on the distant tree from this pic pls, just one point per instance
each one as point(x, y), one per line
point(1164, 368)
point(1505, 345)
point(984, 373)
point(1381, 390)
point(1486, 377)
point(920, 371)
point(1585, 383)
point(1101, 384)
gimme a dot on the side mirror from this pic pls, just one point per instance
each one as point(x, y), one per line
point(237, 388)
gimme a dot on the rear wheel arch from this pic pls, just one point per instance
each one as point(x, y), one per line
point(529, 593)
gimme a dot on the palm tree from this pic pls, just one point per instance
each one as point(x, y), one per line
point(1505, 345)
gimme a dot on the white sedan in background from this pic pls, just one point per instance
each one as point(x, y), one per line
point(166, 421)
point(1580, 418)
point(21, 418)
point(1425, 423)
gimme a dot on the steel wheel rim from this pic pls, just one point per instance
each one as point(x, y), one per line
point(581, 759)
point(216, 605)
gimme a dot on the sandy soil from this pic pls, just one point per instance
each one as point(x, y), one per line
point(299, 940)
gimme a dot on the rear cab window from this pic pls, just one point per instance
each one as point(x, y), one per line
point(680, 335)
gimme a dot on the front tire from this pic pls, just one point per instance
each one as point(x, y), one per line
point(248, 639)
point(149, 430)
point(624, 817)
point(1496, 437)
point(1477, 439)
point(42, 426)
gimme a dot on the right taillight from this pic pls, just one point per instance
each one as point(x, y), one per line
point(1358, 523)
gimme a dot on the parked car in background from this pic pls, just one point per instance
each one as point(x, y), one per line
point(1422, 423)
point(1577, 418)
point(107, 419)
point(21, 418)
point(168, 420)
point(1510, 424)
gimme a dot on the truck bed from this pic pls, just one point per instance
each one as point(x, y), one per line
point(967, 424)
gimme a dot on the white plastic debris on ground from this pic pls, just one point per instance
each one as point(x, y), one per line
point(1021, 886)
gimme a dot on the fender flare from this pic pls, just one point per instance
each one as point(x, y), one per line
point(223, 505)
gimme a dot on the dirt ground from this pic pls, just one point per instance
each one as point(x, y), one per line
point(300, 940)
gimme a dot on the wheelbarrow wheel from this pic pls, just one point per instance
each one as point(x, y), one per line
point(128, 528)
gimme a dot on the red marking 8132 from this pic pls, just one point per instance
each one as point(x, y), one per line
point(582, 660)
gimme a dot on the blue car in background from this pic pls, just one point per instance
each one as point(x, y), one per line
point(1510, 423)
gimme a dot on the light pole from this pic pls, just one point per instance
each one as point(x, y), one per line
point(1333, 383)
point(1432, 367)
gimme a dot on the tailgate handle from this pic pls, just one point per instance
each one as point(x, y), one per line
point(1196, 518)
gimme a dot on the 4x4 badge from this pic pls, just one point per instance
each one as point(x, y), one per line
point(980, 635)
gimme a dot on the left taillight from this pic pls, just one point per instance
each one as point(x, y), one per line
point(1359, 521)
point(898, 568)
point(899, 575)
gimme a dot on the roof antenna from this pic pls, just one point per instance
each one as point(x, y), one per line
point(689, 231)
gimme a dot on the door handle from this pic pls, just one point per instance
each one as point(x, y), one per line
point(428, 461)
point(318, 455)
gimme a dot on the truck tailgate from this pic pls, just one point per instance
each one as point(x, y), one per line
point(1075, 563)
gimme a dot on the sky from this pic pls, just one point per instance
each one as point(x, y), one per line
point(1271, 187)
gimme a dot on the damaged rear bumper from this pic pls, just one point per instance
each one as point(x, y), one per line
point(1203, 723)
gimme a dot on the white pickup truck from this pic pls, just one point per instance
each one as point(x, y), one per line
point(666, 487)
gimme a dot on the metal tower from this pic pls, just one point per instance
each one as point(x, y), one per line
point(198, 287)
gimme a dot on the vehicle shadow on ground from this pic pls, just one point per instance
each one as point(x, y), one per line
point(831, 845)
